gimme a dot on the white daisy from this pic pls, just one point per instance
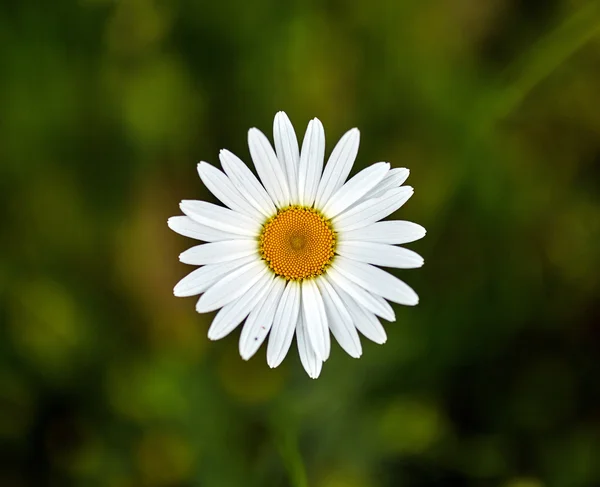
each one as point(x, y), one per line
point(297, 253)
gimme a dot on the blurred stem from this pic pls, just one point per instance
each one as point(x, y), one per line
point(286, 440)
point(538, 62)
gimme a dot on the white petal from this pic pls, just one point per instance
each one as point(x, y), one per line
point(231, 287)
point(316, 319)
point(372, 210)
point(376, 280)
point(286, 146)
point(232, 314)
point(220, 218)
point(268, 167)
point(247, 183)
point(382, 301)
point(339, 319)
point(187, 227)
point(201, 279)
point(215, 252)
point(259, 321)
point(384, 255)
point(393, 179)
point(310, 361)
point(389, 232)
point(354, 189)
point(338, 166)
point(284, 324)
point(365, 321)
point(311, 162)
point(221, 186)
point(360, 295)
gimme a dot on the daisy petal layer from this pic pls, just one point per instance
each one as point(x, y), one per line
point(232, 314)
point(268, 167)
point(187, 227)
point(284, 324)
point(246, 183)
point(286, 147)
point(338, 166)
point(372, 210)
point(220, 218)
point(316, 319)
point(376, 280)
point(389, 232)
point(339, 320)
point(219, 184)
point(361, 296)
point(311, 162)
point(231, 287)
point(201, 279)
point(259, 321)
point(354, 189)
point(310, 361)
point(365, 321)
point(393, 179)
point(384, 255)
point(215, 252)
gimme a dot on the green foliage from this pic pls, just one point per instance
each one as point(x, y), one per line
point(106, 379)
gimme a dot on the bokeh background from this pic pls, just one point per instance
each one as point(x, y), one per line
point(106, 379)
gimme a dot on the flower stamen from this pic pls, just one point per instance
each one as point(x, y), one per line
point(297, 243)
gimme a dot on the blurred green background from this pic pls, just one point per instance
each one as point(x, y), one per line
point(106, 379)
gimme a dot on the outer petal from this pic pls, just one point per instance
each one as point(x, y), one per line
point(215, 252)
point(284, 324)
point(366, 322)
point(220, 218)
point(231, 287)
point(246, 183)
point(311, 162)
point(310, 361)
point(372, 210)
point(339, 319)
point(268, 167)
point(377, 281)
point(219, 184)
point(316, 319)
point(201, 279)
point(380, 254)
point(232, 314)
point(286, 146)
point(393, 179)
point(187, 227)
point(354, 189)
point(362, 297)
point(338, 166)
point(389, 232)
point(259, 321)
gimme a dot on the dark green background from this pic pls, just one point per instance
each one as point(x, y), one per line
point(108, 380)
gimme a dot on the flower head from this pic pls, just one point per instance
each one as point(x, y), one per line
point(295, 251)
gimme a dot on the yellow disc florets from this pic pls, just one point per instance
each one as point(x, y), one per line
point(297, 243)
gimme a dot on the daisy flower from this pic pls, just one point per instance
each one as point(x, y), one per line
point(295, 252)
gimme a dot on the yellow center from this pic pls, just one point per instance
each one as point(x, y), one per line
point(297, 243)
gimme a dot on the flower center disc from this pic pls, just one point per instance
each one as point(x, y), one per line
point(297, 243)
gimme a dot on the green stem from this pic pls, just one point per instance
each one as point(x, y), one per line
point(287, 444)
